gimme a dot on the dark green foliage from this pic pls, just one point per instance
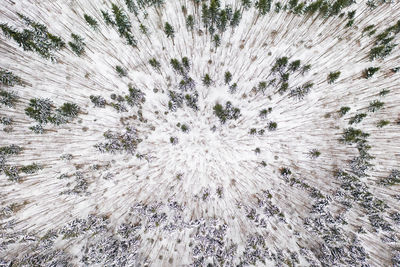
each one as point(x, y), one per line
point(301, 91)
point(169, 30)
point(352, 136)
point(216, 40)
point(375, 105)
point(8, 99)
point(155, 64)
point(98, 101)
point(305, 69)
point(285, 171)
point(91, 21)
point(37, 129)
point(10, 150)
point(294, 65)
point(384, 42)
point(107, 18)
point(227, 113)
point(190, 22)
point(263, 6)
point(143, 29)
point(5, 120)
point(343, 111)
point(382, 123)
point(122, 22)
point(392, 179)
point(314, 153)
point(130, 4)
point(369, 72)
point(68, 110)
point(207, 80)
point(357, 118)
point(236, 17)
point(30, 169)
point(122, 72)
point(186, 64)
point(280, 64)
point(233, 88)
point(246, 4)
point(264, 112)
point(272, 126)
point(227, 77)
point(384, 92)
point(191, 100)
point(184, 128)
point(77, 45)
point(34, 38)
point(120, 142)
point(41, 110)
point(173, 140)
point(333, 76)
point(7, 78)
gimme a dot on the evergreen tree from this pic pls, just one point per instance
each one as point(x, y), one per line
point(369, 72)
point(7, 78)
point(91, 21)
point(107, 18)
point(190, 22)
point(169, 31)
point(155, 64)
point(40, 109)
point(207, 80)
point(121, 71)
point(333, 76)
point(34, 38)
point(246, 4)
point(375, 105)
point(236, 18)
point(263, 6)
point(98, 101)
point(144, 29)
point(228, 77)
point(8, 99)
point(205, 15)
point(77, 45)
point(216, 41)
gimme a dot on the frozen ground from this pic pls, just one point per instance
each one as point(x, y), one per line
point(213, 197)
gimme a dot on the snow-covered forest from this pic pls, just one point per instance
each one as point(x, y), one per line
point(199, 133)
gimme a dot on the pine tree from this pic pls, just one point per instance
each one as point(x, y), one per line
point(144, 29)
point(228, 77)
point(78, 46)
point(155, 64)
point(207, 80)
point(375, 105)
point(91, 21)
point(169, 31)
point(107, 18)
point(121, 71)
point(333, 76)
point(7, 78)
point(263, 6)
point(8, 99)
point(246, 4)
point(216, 41)
point(190, 22)
point(236, 18)
point(369, 72)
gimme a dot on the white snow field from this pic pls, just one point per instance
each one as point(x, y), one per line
point(284, 164)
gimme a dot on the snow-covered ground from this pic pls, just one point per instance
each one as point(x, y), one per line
point(211, 197)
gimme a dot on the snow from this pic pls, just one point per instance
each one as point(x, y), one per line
point(204, 160)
